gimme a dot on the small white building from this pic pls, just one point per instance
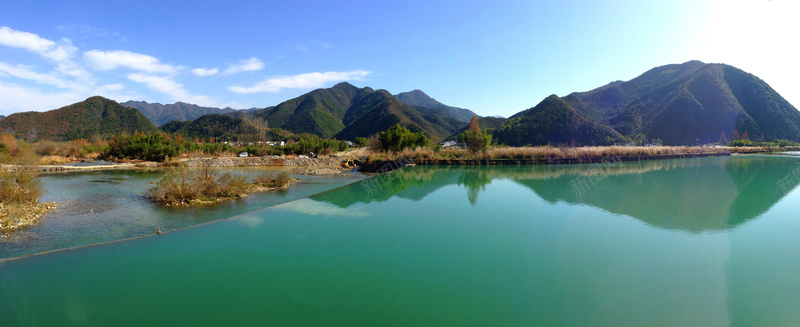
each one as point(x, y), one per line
point(449, 144)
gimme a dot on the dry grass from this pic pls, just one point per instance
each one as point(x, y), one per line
point(271, 179)
point(184, 186)
point(21, 186)
point(54, 160)
point(548, 152)
point(19, 199)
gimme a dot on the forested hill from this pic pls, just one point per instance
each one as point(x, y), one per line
point(345, 111)
point(94, 117)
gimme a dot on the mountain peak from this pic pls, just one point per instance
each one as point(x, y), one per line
point(344, 85)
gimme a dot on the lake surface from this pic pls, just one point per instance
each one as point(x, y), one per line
point(102, 206)
point(693, 242)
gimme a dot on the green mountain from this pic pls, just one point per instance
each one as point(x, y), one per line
point(345, 112)
point(318, 112)
point(681, 104)
point(417, 98)
point(689, 103)
point(552, 121)
point(96, 116)
point(161, 114)
point(377, 111)
point(221, 127)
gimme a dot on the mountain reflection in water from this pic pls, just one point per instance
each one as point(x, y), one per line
point(704, 194)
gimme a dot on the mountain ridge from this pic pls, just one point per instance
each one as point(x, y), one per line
point(418, 98)
point(684, 104)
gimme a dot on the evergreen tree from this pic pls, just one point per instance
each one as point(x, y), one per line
point(722, 139)
point(476, 140)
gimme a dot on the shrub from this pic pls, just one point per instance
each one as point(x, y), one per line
point(184, 186)
point(20, 186)
point(270, 179)
point(741, 142)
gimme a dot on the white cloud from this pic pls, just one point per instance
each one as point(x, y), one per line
point(113, 87)
point(62, 52)
point(205, 72)
point(249, 65)
point(59, 52)
point(25, 40)
point(16, 98)
point(25, 72)
point(172, 88)
point(69, 80)
point(301, 81)
point(108, 60)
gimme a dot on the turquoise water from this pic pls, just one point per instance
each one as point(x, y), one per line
point(692, 242)
point(102, 206)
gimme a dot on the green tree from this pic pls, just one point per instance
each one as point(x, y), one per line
point(637, 139)
point(398, 138)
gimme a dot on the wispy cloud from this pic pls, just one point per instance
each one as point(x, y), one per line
point(172, 88)
point(205, 72)
point(248, 65)
point(315, 45)
point(81, 31)
point(301, 81)
point(15, 98)
point(108, 60)
point(25, 72)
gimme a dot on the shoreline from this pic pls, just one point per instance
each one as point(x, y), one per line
point(389, 165)
point(562, 161)
point(304, 166)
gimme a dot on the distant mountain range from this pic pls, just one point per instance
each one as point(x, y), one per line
point(343, 111)
point(685, 103)
point(94, 117)
point(417, 98)
point(161, 114)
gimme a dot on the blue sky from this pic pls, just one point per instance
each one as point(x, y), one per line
point(496, 58)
